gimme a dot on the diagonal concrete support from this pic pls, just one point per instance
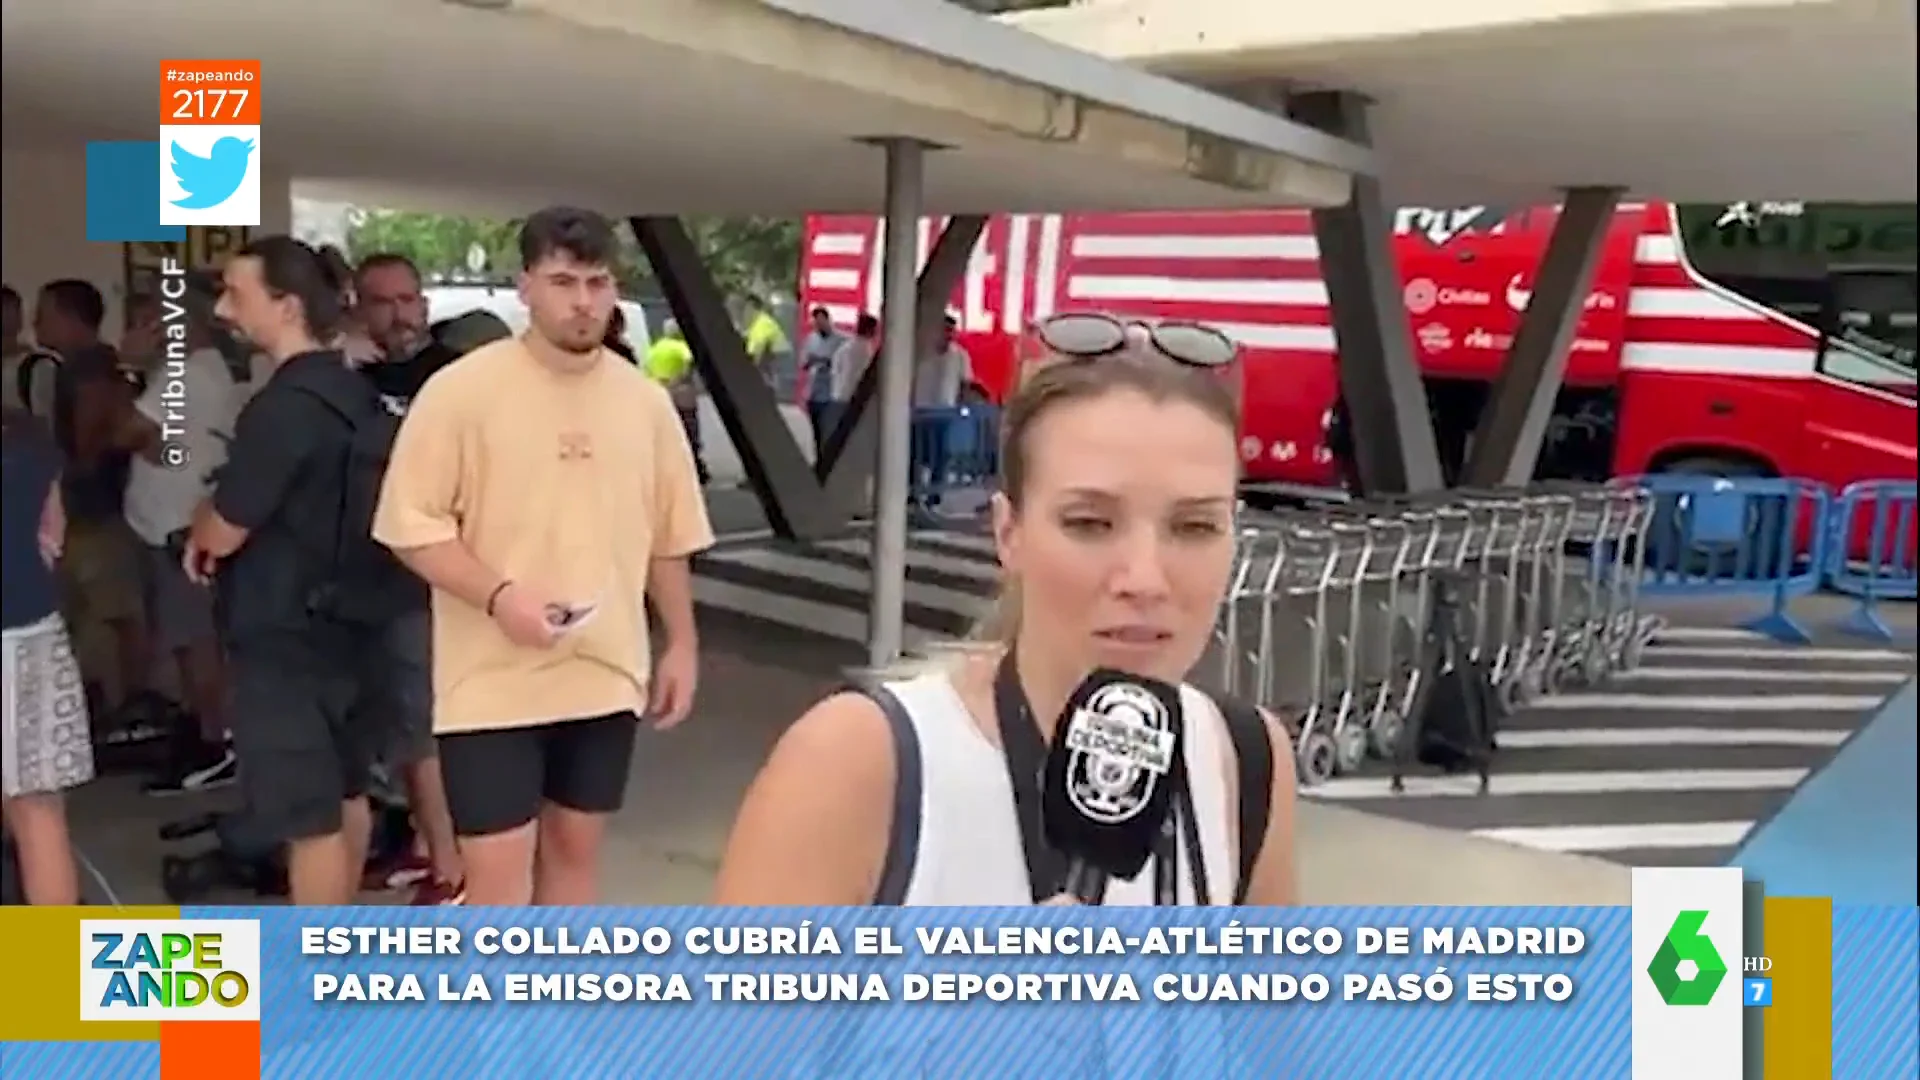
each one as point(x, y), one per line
point(1506, 445)
point(846, 468)
point(1394, 446)
point(776, 468)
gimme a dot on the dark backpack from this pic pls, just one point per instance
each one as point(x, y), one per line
point(31, 365)
point(1456, 715)
point(366, 585)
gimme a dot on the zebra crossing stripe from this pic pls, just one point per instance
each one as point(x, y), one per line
point(1599, 839)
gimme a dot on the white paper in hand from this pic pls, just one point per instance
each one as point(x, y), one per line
point(567, 618)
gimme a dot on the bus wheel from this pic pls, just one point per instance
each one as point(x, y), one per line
point(1664, 535)
point(1729, 466)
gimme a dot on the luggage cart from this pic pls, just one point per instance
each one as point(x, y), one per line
point(1329, 614)
point(1573, 590)
point(1626, 632)
point(1543, 526)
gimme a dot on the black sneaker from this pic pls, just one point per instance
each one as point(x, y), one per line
point(131, 733)
point(144, 717)
point(209, 768)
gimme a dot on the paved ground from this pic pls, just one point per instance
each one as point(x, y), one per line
point(1668, 765)
point(686, 786)
point(1671, 765)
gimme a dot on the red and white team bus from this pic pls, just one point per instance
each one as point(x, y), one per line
point(1751, 339)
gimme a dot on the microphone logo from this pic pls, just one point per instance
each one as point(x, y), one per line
point(1120, 744)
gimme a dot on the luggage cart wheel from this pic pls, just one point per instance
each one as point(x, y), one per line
point(1516, 692)
point(1386, 733)
point(1352, 745)
point(1645, 634)
point(1317, 758)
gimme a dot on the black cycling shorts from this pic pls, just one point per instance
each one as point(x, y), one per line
point(496, 781)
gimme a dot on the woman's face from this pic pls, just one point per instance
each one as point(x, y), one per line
point(1124, 540)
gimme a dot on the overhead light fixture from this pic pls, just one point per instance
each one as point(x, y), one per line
point(483, 5)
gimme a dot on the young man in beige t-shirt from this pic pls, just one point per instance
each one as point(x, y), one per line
point(543, 487)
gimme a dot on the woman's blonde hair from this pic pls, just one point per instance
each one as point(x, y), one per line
point(1049, 381)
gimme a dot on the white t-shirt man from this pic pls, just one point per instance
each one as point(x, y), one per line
point(849, 366)
point(937, 379)
point(195, 410)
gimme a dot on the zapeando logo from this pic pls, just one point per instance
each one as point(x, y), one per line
point(169, 969)
point(1687, 969)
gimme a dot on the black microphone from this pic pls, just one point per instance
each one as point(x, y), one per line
point(1107, 788)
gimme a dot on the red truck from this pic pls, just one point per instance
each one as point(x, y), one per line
point(1743, 339)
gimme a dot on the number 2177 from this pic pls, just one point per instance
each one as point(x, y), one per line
point(200, 105)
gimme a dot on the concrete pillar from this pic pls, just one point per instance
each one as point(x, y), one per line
point(899, 347)
point(1394, 446)
point(1506, 445)
point(847, 462)
point(776, 468)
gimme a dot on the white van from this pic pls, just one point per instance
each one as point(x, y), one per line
point(503, 301)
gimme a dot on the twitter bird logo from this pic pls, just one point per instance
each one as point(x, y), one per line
point(211, 180)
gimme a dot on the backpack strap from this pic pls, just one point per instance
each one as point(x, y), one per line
point(1253, 749)
point(903, 831)
point(343, 413)
point(26, 374)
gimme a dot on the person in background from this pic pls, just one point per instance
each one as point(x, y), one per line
point(824, 405)
point(177, 434)
point(306, 757)
point(396, 670)
point(1339, 443)
point(616, 341)
point(43, 710)
point(855, 356)
point(27, 373)
point(669, 362)
point(942, 370)
point(100, 577)
point(544, 563)
point(937, 380)
point(770, 351)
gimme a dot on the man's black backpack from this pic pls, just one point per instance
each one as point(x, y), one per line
point(367, 585)
point(34, 367)
point(1456, 715)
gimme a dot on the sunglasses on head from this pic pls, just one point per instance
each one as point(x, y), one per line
point(1086, 335)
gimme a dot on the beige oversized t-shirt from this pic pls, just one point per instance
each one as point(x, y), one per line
point(572, 483)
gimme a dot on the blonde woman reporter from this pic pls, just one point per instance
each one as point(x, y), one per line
point(1115, 532)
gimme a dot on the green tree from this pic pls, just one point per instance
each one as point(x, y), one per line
point(748, 255)
point(437, 243)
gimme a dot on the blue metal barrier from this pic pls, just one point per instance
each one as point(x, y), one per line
point(1717, 537)
point(953, 449)
point(1870, 550)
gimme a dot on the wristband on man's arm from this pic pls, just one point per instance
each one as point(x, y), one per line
point(493, 598)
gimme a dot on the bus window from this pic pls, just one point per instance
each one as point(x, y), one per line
point(1869, 332)
point(1781, 254)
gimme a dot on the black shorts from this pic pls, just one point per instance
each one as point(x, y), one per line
point(396, 689)
point(301, 748)
point(497, 780)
